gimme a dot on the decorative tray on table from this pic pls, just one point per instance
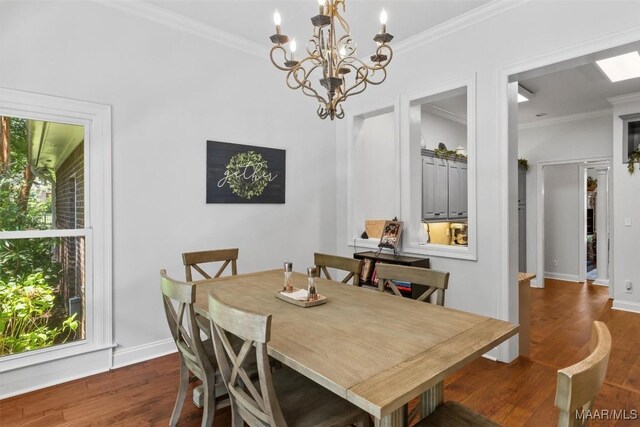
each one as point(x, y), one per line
point(299, 298)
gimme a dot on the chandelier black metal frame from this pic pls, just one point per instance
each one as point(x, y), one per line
point(331, 57)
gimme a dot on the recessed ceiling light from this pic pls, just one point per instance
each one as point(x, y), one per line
point(622, 67)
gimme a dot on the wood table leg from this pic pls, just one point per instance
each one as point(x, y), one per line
point(397, 418)
point(430, 399)
point(427, 403)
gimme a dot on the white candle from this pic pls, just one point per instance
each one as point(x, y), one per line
point(383, 21)
point(292, 47)
point(277, 20)
point(321, 3)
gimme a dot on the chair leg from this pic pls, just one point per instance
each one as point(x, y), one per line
point(182, 393)
point(209, 406)
point(236, 419)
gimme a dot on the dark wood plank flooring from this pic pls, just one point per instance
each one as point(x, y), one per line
point(517, 394)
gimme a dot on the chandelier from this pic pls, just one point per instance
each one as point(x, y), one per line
point(331, 59)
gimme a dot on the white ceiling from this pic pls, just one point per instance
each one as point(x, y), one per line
point(579, 89)
point(575, 90)
point(253, 19)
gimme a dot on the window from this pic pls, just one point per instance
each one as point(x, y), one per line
point(439, 152)
point(55, 239)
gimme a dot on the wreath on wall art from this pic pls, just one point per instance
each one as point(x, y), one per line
point(248, 174)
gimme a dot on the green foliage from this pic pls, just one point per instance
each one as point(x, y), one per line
point(524, 163)
point(634, 157)
point(591, 182)
point(30, 317)
point(444, 153)
point(27, 307)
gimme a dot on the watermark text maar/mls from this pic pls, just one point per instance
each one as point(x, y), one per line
point(607, 414)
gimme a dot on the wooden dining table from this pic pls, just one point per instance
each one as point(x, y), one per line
point(376, 350)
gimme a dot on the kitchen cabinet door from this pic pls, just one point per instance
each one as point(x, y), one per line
point(428, 188)
point(435, 196)
point(457, 189)
point(522, 185)
point(441, 189)
point(454, 188)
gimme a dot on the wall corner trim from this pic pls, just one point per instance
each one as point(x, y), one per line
point(623, 99)
point(144, 352)
point(457, 23)
point(191, 26)
point(630, 306)
point(566, 119)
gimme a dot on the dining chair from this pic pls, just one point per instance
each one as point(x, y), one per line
point(578, 384)
point(192, 261)
point(350, 265)
point(576, 388)
point(432, 280)
point(279, 398)
point(196, 356)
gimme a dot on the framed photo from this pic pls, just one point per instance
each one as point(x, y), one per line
point(244, 173)
point(391, 235)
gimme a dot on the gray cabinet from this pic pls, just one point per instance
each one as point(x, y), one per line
point(444, 187)
point(522, 219)
point(434, 188)
point(457, 172)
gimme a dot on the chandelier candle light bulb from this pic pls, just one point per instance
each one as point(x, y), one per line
point(277, 19)
point(331, 56)
point(383, 21)
point(292, 47)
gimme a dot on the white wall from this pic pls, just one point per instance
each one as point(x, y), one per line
point(589, 138)
point(436, 129)
point(170, 93)
point(498, 43)
point(562, 195)
point(626, 240)
point(374, 153)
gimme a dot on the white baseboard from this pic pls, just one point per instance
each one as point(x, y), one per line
point(561, 276)
point(143, 352)
point(604, 282)
point(631, 306)
point(30, 378)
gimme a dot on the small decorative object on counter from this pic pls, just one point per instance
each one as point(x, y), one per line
point(288, 267)
point(312, 292)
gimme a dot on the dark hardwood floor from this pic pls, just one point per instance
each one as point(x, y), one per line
point(517, 394)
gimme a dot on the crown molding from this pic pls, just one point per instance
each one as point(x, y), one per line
point(182, 23)
point(179, 22)
point(622, 99)
point(471, 17)
point(566, 119)
point(440, 112)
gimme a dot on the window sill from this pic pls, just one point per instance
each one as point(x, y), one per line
point(444, 251)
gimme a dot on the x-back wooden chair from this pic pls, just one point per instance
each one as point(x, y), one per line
point(279, 398)
point(350, 265)
point(196, 355)
point(192, 261)
point(434, 281)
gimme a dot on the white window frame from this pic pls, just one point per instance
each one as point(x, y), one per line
point(411, 212)
point(35, 369)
